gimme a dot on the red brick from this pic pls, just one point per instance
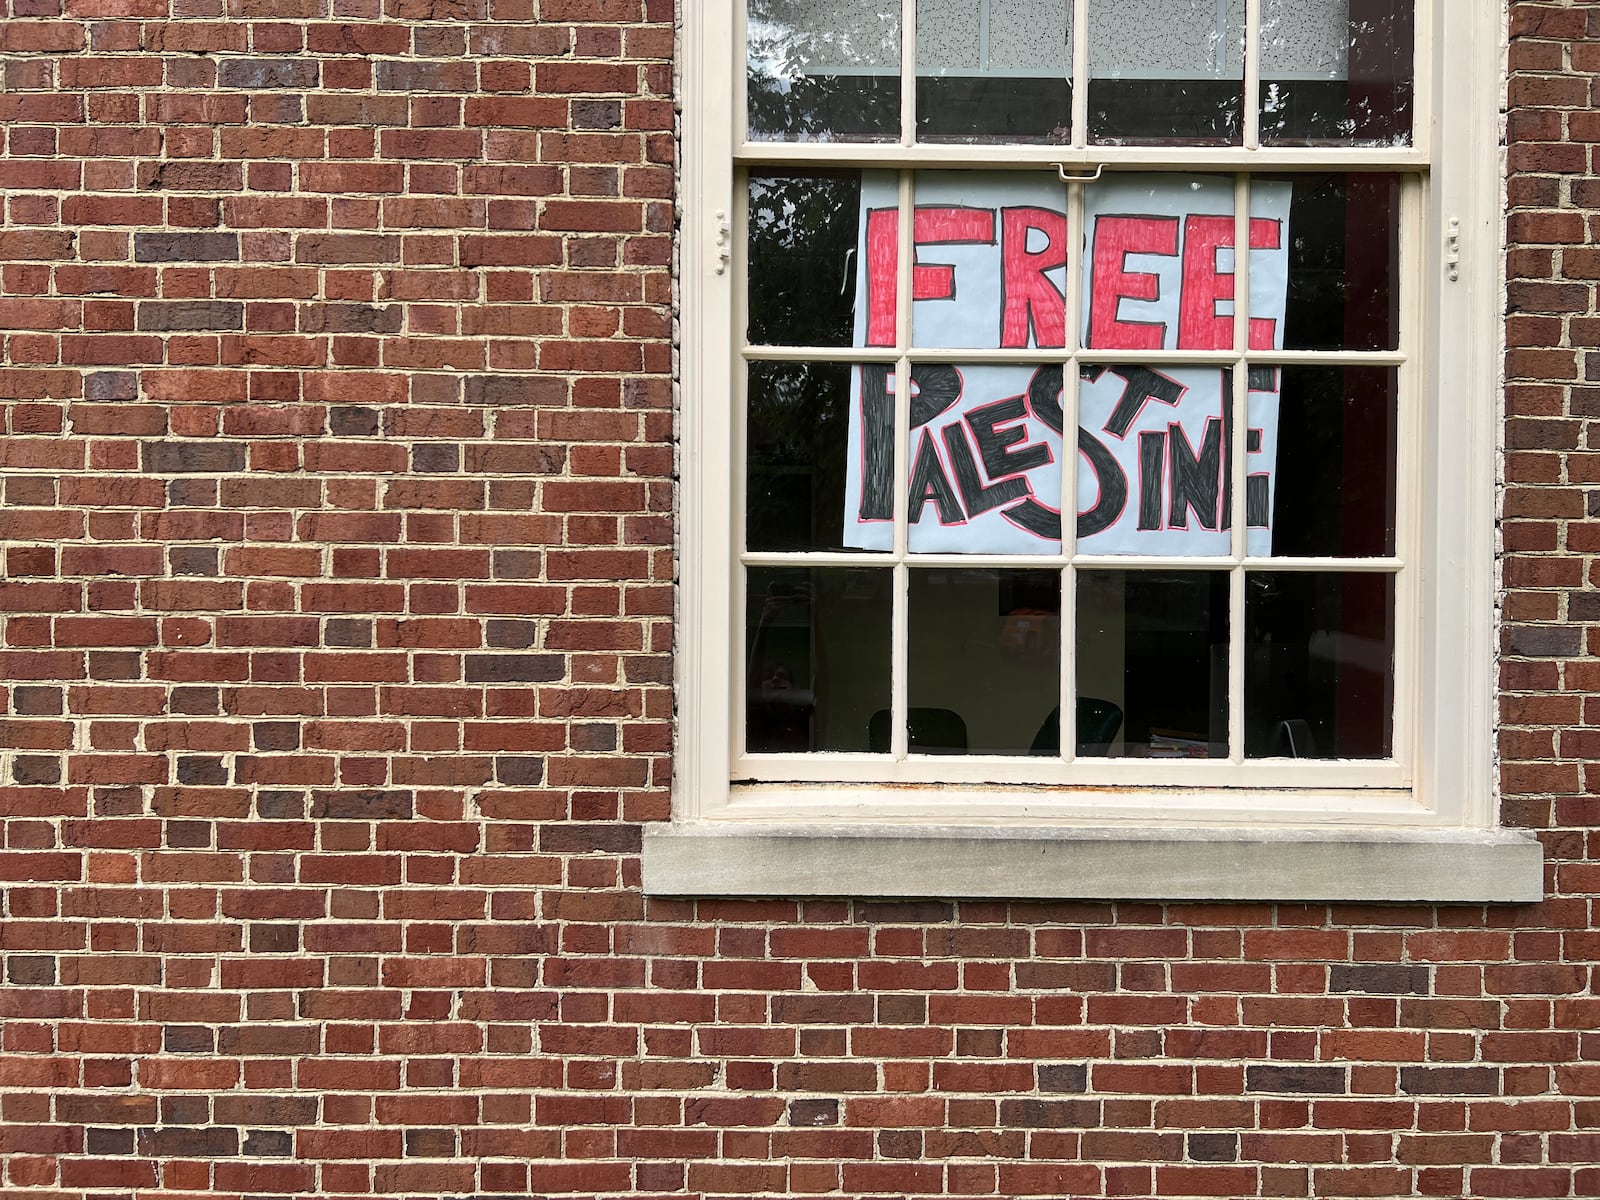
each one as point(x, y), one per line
point(338, 652)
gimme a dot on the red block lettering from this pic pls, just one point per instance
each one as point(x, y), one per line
point(935, 281)
point(1115, 238)
point(1030, 299)
point(1199, 326)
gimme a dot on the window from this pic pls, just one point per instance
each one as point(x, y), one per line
point(1231, 634)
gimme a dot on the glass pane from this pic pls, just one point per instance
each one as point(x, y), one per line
point(817, 657)
point(1343, 263)
point(823, 70)
point(1155, 449)
point(991, 260)
point(1336, 71)
point(1166, 71)
point(984, 667)
point(1319, 671)
point(803, 232)
point(1158, 271)
point(1152, 662)
point(1322, 461)
point(797, 435)
point(985, 459)
point(994, 71)
point(867, 518)
point(875, 265)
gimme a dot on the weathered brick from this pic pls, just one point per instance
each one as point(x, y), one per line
point(165, 458)
point(268, 73)
point(1544, 641)
point(186, 247)
point(1272, 1078)
point(1378, 978)
point(362, 806)
point(515, 668)
point(180, 315)
point(1449, 1081)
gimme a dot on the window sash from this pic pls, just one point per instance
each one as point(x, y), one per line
point(1087, 770)
point(1079, 151)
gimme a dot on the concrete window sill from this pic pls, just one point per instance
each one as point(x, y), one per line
point(1440, 866)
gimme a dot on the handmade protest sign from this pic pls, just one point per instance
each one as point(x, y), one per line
point(985, 449)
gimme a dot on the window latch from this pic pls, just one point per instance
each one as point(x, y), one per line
point(1452, 250)
point(1061, 170)
point(724, 241)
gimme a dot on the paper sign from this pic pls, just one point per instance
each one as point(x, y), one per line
point(985, 451)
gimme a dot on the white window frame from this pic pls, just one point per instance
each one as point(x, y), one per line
point(1427, 831)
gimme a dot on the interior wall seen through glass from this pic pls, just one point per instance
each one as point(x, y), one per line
point(1334, 482)
point(995, 70)
point(817, 654)
point(1332, 71)
point(983, 673)
point(1337, 72)
point(1344, 261)
point(1319, 665)
point(1152, 663)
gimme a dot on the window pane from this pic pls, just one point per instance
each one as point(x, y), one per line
point(1322, 460)
point(1336, 71)
point(984, 663)
point(823, 70)
point(1158, 272)
point(1166, 71)
point(1155, 449)
point(817, 657)
point(998, 70)
point(805, 228)
point(984, 463)
point(1319, 673)
point(796, 432)
point(991, 260)
point(1343, 263)
point(985, 459)
point(1152, 650)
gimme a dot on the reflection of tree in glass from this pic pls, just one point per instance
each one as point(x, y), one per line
point(803, 231)
point(789, 38)
point(821, 70)
point(797, 433)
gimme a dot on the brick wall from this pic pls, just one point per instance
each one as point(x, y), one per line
point(337, 594)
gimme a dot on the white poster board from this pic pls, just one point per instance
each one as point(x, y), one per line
point(985, 450)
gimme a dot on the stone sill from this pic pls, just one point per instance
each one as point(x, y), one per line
point(1445, 866)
